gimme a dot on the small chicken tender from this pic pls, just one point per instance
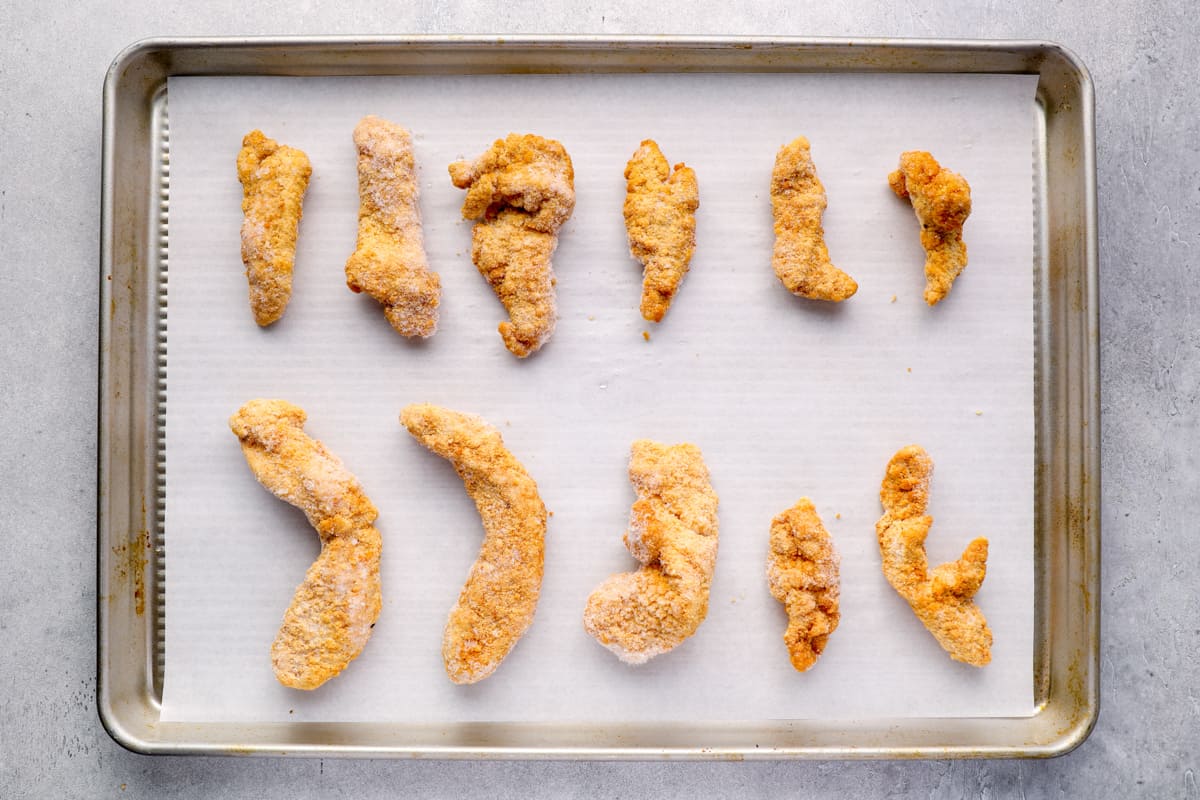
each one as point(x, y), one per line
point(274, 179)
point(802, 572)
point(335, 608)
point(389, 261)
point(521, 190)
point(660, 218)
point(942, 202)
point(801, 259)
point(673, 533)
point(941, 598)
point(500, 596)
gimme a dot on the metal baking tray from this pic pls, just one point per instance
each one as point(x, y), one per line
point(131, 468)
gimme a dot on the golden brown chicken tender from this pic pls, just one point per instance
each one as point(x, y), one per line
point(673, 533)
point(274, 179)
point(500, 596)
point(942, 202)
point(941, 599)
point(334, 609)
point(802, 572)
point(389, 261)
point(521, 190)
point(801, 259)
point(660, 218)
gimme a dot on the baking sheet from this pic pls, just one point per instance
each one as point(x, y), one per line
point(785, 397)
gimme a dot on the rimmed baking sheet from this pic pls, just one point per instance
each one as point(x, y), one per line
point(608, 351)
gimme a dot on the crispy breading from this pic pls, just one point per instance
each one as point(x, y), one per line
point(334, 609)
point(802, 572)
point(274, 179)
point(941, 598)
point(521, 190)
point(673, 533)
point(801, 259)
point(515, 260)
point(499, 598)
point(660, 219)
point(389, 262)
point(942, 202)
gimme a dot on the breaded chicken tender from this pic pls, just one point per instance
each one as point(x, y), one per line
point(941, 598)
point(274, 179)
point(335, 608)
point(802, 572)
point(522, 190)
point(801, 259)
point(673, 533)
point(660, 218)
point(497, 603)
point(389, 261)
point(942, 202)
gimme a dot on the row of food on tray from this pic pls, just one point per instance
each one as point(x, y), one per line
point(637, 615)
point(521, 191)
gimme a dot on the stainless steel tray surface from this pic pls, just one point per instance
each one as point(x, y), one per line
point(131, 470)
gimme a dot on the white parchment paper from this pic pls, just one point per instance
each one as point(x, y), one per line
point(785, 397)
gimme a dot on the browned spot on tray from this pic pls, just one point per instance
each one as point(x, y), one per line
point(138, 558)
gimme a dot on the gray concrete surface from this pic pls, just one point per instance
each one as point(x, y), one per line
point(1142, 57)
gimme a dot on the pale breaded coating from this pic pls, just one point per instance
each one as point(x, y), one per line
point(334, 609)
point(673, 533)
point(942, 202)
point(522, 190)
point(802, 572)
point(500, 596)
point(941, 598)
point(801, 259)
point(274, 179)
point(660, 218)
point(515, 260)
point(389, 262)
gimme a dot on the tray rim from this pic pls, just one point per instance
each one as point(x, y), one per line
point(137, 729)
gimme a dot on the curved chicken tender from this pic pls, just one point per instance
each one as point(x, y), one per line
point(801, 259)
point(673, 532)
point(274, 178)
point(941, 599)
point(942, 202)
point(334, 609)
point(802, 572)
point(521, 190)
point(660, 218)
point(389, 262)
point(498, 601)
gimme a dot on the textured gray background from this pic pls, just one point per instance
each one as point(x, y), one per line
point(1142, 58)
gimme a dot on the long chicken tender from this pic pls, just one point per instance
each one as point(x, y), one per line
point(521, 190)
point(802, 572)
point(660, 218)
point(334, 609)
point(673, 532)
point(801, 259)
point(497, 603)
point(274, 179)
point(942, 202)
point(941, 599)
point(389, 261)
